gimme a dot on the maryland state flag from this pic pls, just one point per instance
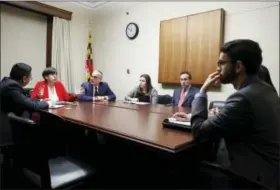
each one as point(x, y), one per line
point(89, 62)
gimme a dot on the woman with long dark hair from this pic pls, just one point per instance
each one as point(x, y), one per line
point(264, 75)
point(144, 92)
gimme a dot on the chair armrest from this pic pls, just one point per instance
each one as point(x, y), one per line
point(20, 119)
point(216, 167)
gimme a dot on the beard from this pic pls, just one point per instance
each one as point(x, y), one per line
point(229, 77)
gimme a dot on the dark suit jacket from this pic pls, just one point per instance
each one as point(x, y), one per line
point(12, 99)
point(103, 90)
point(250, 125)
point(188, 98)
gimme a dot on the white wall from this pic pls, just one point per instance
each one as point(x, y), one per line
point(114, 53)
point(80, 23)
point(23, 39)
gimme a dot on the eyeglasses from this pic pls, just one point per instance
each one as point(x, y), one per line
point(220, 63)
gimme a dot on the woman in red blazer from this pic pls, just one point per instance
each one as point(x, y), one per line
point(50, 88)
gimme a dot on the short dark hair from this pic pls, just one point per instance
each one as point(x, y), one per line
point(20, 70)
point(188, 73)
point(49, 71)
point(244, 50)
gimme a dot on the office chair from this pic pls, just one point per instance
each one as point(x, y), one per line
point(218, 104)
point(236, 181)
point(35, 157)
point(164, 99)
point(216, 144)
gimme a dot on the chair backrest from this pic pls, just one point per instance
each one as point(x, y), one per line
point(164, 99)
point(28, 148)
point(23, 129)
point(47, 140)
point(5, 130)
point(218, 104)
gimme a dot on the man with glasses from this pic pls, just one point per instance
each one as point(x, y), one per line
point(183, 97)
point(96, 90)
point(249, 122)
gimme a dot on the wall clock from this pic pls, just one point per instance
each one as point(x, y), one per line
point(132, 30)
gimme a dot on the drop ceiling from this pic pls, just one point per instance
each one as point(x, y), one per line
point(92, 4)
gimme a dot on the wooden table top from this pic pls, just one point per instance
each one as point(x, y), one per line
point(136, 124)
point(154, 108)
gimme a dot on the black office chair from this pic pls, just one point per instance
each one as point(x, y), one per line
point(164, 99)
point(216, 144)
point(34, 155)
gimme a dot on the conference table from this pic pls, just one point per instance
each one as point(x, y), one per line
point(141, 124)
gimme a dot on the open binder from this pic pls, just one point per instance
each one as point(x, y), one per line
point(172, 123)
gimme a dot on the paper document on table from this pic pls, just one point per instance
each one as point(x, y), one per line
point(141, 103)
point(56, 106)
point(65, 103)
point(138, 103)
point(173, 120)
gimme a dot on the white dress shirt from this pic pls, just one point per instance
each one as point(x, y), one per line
point(52, 94)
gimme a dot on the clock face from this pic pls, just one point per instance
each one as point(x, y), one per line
point(132, 30)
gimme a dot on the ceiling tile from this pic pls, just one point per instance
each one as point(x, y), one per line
point(91, 4)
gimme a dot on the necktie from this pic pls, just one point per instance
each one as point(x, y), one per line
point(95, 91)
point(182, 97)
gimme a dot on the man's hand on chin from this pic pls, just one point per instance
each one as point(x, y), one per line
point(213, 78)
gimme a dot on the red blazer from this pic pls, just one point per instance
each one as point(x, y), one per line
point(61, 92)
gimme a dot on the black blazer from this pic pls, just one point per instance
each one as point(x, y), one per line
point(250, 125)
point(12, 99)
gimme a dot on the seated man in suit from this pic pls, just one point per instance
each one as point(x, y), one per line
point(249, 122)
point(12, 98)
point(96, 90)
point(184, 96)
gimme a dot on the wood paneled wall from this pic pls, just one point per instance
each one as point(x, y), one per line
point(191, 43)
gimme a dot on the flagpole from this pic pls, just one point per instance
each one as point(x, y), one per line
point(89, 57)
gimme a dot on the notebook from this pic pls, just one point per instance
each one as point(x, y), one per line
point(180, 125)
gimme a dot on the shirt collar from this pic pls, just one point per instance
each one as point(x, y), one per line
point(187, 88)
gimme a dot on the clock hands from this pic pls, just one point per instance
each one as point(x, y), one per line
point(132, 31)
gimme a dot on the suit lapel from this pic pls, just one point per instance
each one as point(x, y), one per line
point(57, 90)
point(90, 89)
point(178, 95)
point(100, 88)
point(46, 91)
point(188, 94)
